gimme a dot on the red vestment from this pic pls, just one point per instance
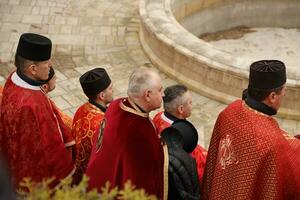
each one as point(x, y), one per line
point(250, 157)
point(85, 124)
point(65, 126)
point(161, 122)
point(1, 91)
point(31, 134)
point(130, 150)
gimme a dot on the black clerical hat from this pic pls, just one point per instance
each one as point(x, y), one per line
point(267, 75)
point(181, 134)
point(94, 81)
point(34, 47)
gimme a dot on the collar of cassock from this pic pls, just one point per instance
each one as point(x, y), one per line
point(29, 80)
point(170, 116)
point(134, 109)
point(259, 106)
point(102, 108)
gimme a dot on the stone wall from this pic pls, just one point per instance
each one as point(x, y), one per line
point(201, 66)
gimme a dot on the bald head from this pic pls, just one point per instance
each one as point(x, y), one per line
point(145, 88)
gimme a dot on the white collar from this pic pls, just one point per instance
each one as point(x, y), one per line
point(165, 118)
point(19, 82)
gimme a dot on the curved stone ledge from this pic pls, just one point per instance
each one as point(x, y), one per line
point(197, 64)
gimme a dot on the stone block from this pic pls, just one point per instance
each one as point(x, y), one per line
point(61, 103)
point(18, 9)
point(32, 19)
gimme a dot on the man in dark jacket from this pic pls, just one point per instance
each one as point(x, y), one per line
point(181, 139)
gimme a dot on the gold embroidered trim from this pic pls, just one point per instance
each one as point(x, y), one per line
point(226, 153)
point(94, 108)
point(100, 135)
point(166, 172)
point(131, 110)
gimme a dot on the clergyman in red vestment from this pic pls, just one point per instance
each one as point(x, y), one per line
point(31, 139)
point(97, 86)
point(178, 105)
point(127, 146)
point(249, 156)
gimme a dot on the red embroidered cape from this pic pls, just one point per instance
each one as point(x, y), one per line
point(250, 157)
point(86, 123)
point(199, 153)
point(130, 150)
point(31, 137)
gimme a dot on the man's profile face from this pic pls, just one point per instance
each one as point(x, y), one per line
point(108, 94)
point(156, 94)
point(41, 70)
point(187, 105)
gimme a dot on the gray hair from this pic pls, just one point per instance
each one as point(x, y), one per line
point(174, 97)
point(141, 80)
point(22, 63)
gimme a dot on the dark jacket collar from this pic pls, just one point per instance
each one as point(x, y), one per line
point(102, 108)
point(170, 116)
point(259, 106)
point(29, 80)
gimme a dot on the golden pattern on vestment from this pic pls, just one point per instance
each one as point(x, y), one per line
point(86, 123)
point(241, 160)
point(135, 110)
point(100, 135)
point(226, 152)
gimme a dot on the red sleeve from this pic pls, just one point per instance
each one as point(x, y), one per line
point(199, 154)
point(159, 123)
point(65, 125)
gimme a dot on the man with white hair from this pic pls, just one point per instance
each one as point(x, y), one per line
point(127, 147)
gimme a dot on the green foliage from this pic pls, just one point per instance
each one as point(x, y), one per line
point(41, 191)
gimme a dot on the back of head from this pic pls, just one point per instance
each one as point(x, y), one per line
point(94, 81)
point(174, 96)
point(140, 80)
point(32, 47)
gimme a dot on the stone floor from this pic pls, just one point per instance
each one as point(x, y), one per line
point(258, 43)
point(86, 34)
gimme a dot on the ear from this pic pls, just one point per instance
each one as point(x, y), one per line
point(180, 109)
point(101, 96)
point(147, 95)
point(272, 97)
point(32, 69)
